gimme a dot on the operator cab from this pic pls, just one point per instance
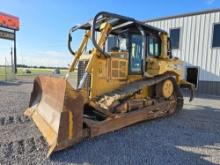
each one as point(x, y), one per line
point(128, 38)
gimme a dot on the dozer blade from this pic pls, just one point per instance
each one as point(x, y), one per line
point(57, 110)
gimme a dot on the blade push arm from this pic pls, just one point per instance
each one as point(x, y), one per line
point(105, 29)
point(80, 51)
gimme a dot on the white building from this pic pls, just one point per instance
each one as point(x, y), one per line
point(195, 38)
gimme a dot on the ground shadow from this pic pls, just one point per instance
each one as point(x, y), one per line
point(7, 83)
point(178, 139)
point(186, 93)
point(15, 83)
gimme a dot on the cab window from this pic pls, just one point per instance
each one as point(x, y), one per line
point(117, 43)
point(154, 46)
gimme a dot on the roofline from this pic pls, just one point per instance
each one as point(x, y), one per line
point(184, 15)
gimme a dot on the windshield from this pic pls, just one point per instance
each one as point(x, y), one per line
point(117, 43)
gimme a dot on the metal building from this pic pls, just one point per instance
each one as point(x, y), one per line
point(195, 38)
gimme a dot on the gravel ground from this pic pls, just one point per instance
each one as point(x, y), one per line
point(189, 137)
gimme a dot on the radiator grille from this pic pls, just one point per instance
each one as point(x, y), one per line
point(81, 70)
point(119, 69)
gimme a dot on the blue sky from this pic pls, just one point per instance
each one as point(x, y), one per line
point(45, 23)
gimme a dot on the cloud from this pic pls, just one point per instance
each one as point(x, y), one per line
point(39, 58)
point(53, 54)
point(209, 2)
point(43, 61)
point(47, 58)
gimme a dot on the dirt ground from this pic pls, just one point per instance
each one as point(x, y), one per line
point(189, 137)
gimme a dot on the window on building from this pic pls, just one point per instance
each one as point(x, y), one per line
point(216, 36)
point(175, 38)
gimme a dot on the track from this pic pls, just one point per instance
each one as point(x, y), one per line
point(20, 140)
point(17, 119)
point(106, 101)
point(23, 140)
point(22, 147)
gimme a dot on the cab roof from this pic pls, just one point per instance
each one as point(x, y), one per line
point(119, 24)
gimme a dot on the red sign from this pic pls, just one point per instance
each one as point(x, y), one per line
point(9, 21)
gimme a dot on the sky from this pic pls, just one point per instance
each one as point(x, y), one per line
point(42, 38)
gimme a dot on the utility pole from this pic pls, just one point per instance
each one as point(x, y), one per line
point(12, 60)
point(15, 53)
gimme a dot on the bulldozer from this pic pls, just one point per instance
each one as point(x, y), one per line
point(128, 76)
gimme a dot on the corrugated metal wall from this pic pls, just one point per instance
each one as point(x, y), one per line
point(196, 42)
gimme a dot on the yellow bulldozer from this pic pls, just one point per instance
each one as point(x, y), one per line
point(128, 76)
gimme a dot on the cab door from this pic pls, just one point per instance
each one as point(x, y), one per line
point(135, 57)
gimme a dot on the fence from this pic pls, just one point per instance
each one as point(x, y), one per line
point(7, 71)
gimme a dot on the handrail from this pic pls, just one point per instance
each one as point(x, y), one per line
point(93, 28)
point(73, 29)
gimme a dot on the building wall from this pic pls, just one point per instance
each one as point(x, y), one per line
point(196, 46)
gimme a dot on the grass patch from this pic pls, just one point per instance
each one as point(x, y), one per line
point(38, 71)
point(35, 72)
point(21, 72)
